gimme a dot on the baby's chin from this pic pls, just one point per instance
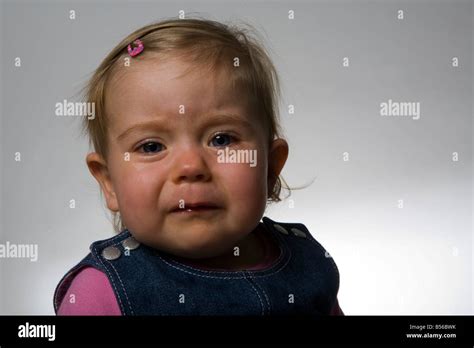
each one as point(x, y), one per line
point(194, 237)
point(196, 242)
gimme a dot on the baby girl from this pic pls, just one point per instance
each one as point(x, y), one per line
point(170, 98)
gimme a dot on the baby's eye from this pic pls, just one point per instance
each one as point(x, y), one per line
point(222, 139)
point(151, 147)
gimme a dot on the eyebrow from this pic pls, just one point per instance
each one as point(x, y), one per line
point(162, 124)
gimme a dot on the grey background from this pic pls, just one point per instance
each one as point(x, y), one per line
point(415, 260)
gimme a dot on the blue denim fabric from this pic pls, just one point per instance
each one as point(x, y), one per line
point(147, 281)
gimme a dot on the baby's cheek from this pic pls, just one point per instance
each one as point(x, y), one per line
point(138, 195)
point(246, 187)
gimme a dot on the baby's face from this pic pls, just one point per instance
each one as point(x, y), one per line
point(165, 132)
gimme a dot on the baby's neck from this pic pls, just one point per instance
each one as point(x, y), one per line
point(251, 252)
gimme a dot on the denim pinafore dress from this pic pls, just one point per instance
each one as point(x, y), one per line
point(304, 280)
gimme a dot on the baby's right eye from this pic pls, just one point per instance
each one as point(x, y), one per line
point(151, 147)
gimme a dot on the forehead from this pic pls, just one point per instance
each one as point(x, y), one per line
point(164, 84)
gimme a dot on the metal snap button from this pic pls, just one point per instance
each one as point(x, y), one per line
point(130, 243)
point(111, 253)
point(280, 229)
point(297, 232)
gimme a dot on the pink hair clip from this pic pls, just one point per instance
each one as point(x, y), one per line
point(137, 48)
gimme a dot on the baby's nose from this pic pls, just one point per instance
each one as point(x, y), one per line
point(190, 165)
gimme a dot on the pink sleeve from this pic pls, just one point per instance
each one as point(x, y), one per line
point(336, 310)
point(91, 294)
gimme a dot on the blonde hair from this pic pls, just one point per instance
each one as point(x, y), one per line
point(209, 43)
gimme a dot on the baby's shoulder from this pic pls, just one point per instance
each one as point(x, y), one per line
point(89, 293)
point(92, 264)
point(296, 236)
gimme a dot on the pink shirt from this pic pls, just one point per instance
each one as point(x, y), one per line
point(90, 292)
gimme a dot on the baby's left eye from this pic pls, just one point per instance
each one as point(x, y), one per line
point(222, 139)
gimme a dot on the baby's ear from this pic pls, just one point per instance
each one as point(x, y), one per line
point(277, 157)
point(99, 169)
